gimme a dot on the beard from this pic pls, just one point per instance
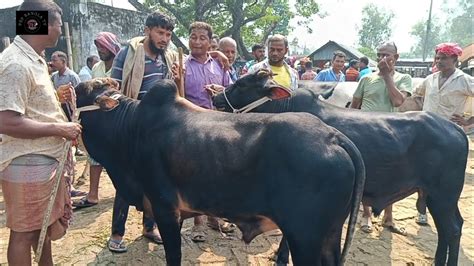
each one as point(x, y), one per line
point(275, 60)
point(153, 48)
point(106, 56)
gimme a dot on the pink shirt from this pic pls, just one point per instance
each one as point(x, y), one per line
point(198, 75)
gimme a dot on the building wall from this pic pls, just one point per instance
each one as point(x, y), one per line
point(85, 20)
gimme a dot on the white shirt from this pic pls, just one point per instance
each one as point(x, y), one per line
point(450, 98)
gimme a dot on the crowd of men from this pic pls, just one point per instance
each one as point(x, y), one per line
point(36, 111)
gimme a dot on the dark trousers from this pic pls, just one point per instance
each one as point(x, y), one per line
point(120, 214)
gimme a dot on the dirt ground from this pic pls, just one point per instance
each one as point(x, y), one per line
point(85, 242)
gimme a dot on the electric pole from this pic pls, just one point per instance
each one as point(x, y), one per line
point(428, 30)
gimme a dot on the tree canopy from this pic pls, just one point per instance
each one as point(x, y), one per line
point(376, 27)
point(460, 23)
point(458, 28)
point(435, 37)
point(246, 21)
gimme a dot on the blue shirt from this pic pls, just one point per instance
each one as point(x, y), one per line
point(364, 72)
point(155, 69)
point(65, 78)
point(329, 75)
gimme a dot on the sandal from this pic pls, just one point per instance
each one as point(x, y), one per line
point(366, 225)
point(155, 237)
point(366, 228)
point(222, 226)
point(422, 219)
point(117, 246)
point(396, 230)
point(197, 234)
point(83, 203)
point(78, 193)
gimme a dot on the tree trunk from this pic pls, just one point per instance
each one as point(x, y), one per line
point(179, 43)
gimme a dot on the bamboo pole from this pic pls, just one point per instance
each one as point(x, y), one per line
point(68, 45)
point(181, 73)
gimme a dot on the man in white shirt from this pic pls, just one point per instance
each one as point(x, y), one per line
point(445, 93)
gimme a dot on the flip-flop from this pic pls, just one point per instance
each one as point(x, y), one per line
point(78, 193)
point(366, 225)
point(153, 237)
point(117, 246)
point(366, 228)
point(422, 219)
point(83, 203)
point(198, 234)
point(396, 230)
point(224, 227)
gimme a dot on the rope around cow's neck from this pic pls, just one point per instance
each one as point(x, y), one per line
point(249, 106)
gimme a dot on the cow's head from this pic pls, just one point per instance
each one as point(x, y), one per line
point(248, 89)
point(97, 92)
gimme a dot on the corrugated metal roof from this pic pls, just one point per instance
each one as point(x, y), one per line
point(350, 51)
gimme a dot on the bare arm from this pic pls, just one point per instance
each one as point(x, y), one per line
point(356, 103)
point(461, 121)
point(396, 97)
point(17, 126)
point(223, 60)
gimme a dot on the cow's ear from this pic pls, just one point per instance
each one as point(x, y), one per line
point(106, 103)
point(279, 92)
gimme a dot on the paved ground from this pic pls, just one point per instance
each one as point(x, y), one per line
point(85, 241)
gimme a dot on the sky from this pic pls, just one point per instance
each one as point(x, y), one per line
point(342, 18)
point(344, 15)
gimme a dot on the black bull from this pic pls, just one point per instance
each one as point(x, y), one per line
point(403, 152)
point(259, 171)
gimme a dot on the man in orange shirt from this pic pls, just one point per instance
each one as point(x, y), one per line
point(352, 73)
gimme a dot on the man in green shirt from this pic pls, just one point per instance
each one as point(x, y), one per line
point(382, 91)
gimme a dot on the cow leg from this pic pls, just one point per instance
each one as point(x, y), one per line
point(448, 222)
point(421, 202)
point(331, 250)
point(305, 248)
point(283, 252)
point(305, 237)
point(168, 223)
point(454, 242)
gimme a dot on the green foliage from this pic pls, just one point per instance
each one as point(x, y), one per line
point(435, 37)
point(247, 21)
point(457, 28)
point(369, 52)
point(461, 23)
point(376, 26)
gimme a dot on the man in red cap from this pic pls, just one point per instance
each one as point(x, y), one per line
point(445, 93)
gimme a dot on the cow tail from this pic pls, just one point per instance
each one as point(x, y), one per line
point(359, 166)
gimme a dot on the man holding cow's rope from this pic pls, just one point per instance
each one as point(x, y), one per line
point(35, 135)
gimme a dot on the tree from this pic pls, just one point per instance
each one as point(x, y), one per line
point(246, 21)
point(436, 36)
point(460, 24)
point(369, 52)
point(294, 46)
point(376, 27)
